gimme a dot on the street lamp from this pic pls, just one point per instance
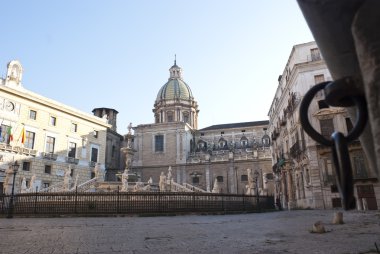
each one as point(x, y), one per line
point(15, 167)
point(256, 175)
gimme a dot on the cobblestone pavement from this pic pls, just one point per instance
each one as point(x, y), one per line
point(275, 232)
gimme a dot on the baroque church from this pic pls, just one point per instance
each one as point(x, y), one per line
point(216, 155)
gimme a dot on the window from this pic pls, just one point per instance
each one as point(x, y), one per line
point(72, 149)
point(94, 154)
point(47, 169)
point(96, 133)
point(195, 180)
point(53, 121)
point(360, 169)
point(113, 151)
point(186, 118)
point(327, 127)
point(50, 143)
point(74, 127)
point(29, 139)
point(244, 178)
point(315, 54)
point(159, 143)
point(219, 179)
point(32, 114)
point(26, 166)
point(46, 185)
point(72, 172)
point(349, 124)
point(319, 78)
point(322, 104)
point(170, 116)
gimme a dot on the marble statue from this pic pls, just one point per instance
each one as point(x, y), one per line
point(7, 181)
point(98, 171)
point(76, 181)
point(150, 181)
point(216, 188)
point(124, 180)
point(162, 183)
point(169, 177)
point(23, 185)
point(31, 184)
point(250, 185)
point(66, 179)
point(129, 128)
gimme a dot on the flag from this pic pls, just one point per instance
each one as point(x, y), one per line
point(10, 134)
point(23, 135)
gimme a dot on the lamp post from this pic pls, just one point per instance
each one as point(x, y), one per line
point(256, 175)
point(15, 167)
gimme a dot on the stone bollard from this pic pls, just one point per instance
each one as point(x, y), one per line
point(338, 218)
point(318, 227)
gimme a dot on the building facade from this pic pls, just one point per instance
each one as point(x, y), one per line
point(199, 157)
point(305, 174)
point(46, 137)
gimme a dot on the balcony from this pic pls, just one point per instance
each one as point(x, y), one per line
point(72, 160)
point(17, 149)
point(49, 156)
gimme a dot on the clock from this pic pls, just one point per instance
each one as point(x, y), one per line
point(9, 106)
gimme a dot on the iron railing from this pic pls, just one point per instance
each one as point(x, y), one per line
point(80, 203)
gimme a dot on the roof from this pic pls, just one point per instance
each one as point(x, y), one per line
point(173, 89)
point(235, 125)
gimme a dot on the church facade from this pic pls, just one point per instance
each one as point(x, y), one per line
point(200, 157)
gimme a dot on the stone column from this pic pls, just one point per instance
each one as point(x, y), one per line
point(291, 201)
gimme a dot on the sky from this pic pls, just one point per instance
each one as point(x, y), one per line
point(117, 53)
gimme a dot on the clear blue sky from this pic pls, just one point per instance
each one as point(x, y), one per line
point(117, 53)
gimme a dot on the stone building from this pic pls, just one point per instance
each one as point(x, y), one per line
point(114, 142)
point(46, 137)
point(221, 153)
point(305, 175)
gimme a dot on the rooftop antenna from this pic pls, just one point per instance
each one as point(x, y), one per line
point(175, 59)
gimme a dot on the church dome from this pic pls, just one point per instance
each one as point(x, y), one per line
point(175, 88)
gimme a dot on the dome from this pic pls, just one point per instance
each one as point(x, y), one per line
point(175, 89)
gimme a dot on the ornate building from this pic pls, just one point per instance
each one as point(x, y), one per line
point(304, 169)
point(45, 137)
point(221, 153)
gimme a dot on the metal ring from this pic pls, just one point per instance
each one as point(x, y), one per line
point(304, 118)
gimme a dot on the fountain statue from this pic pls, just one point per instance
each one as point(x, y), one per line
point(23, 185)
point(169, 177)
point(67, 179)
point(124, 180)
point(162, 183)
point(250, 186)
point(216, 188)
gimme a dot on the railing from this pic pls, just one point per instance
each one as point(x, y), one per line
point(54, 188)
point(84, 203)
point(17, 149)
point(72, 160)
point(176, 187)
point(193, 188)
point(49, 156)
point(92, 163)
point(86, 186)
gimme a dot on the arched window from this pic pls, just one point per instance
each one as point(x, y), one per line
point(186, 117)
point(170, 116)
point(266, 141)
point(244, 141)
